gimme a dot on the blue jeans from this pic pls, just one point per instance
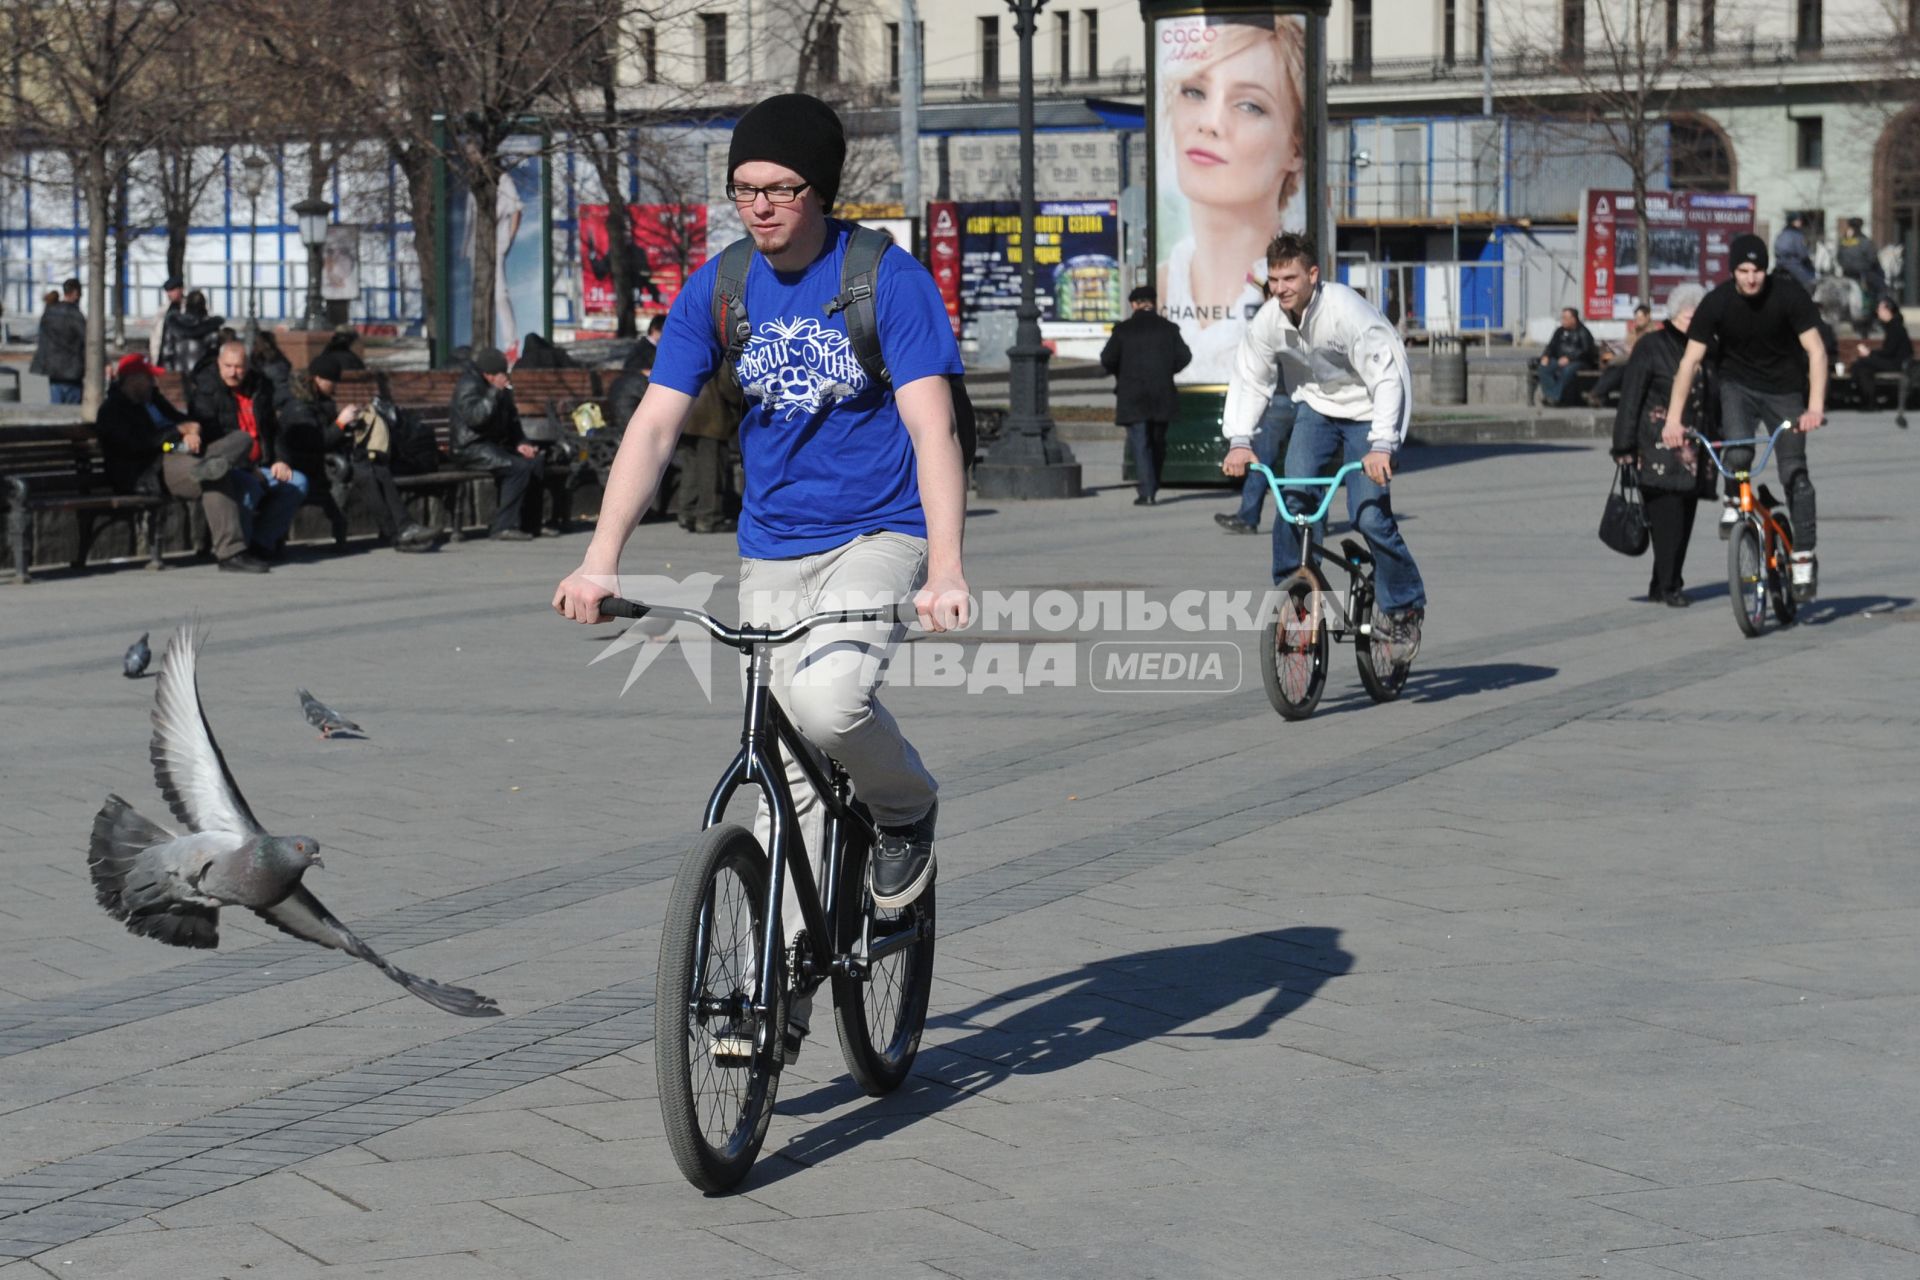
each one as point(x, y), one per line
point(267, 506)
point(66, 392)
point(1317, 440)
point(1269, 442)
point(1148, 440)
point(1555, 380)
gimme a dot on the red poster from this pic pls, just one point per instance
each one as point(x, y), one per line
point(1690, 233)
point(672, 239)
point(943, 255)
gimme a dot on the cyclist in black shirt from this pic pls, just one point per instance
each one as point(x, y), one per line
point(1772, 368)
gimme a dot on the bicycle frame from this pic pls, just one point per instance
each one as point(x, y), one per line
point(1749, 508)
point(765, 731)
point(1341, 622)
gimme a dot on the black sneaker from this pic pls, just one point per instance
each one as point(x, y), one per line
point(790, 1042)
point(1234, 524)
point(242, 563)
point(902, 865)
point(1403, 635)
point(512, 535)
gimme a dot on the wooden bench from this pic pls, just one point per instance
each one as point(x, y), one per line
point(1901, 380)
point(59, 468)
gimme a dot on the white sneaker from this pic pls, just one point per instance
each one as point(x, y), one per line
point(1806, 576)
point(1729, 517)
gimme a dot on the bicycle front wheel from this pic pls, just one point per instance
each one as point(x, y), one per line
point(717, 1061)
point(1383, 678)
point(1747, 577)
point(1293, 652)
point(880, 1015)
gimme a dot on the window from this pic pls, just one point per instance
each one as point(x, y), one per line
point(1090, 23)
point(990, 55)
point(1706, 26)
point(826, 54)
point(1362, 38)
point(1064, 25)
point(1449, 19)
point(1806, 31)
point(893, 55)
point(649, 57)
point(1809, 143)
point(1573, 30)
point(714, 30)
point(1699, 155)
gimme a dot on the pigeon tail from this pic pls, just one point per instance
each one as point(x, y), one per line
point(132, 882)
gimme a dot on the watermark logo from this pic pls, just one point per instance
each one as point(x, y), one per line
point(1153, 666)
point(649, 638)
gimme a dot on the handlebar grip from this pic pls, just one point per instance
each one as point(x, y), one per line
point(905, 613)
point(615, 607)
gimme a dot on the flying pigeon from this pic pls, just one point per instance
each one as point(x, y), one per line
point(171, 887)
point(325, 718)
point(138, 656)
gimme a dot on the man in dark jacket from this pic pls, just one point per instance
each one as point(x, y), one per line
point(232, 398)
point(1143, 354)
point(354, 449)
point(1570, 350)
point(1895, 349)
point(484, 434)
point(1859, 258)
point(1791, 252)
point(61, 352)
point(135, 425)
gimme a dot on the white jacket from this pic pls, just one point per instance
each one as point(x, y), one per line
point(1343, 359)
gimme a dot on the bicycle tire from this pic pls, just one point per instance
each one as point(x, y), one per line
point(716, 1114)
point(1293, 652)
point(1746, 577)
point(1780, 572)
point(1381, 688)
point(879, 1038)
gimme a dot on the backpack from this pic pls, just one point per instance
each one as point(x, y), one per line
point(859, 277)
point(415, 450)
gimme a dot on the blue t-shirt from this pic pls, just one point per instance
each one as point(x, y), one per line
point(826, 455)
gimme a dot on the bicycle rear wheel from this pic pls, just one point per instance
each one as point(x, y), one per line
point(880, 1016)
point(1383, 679)
point(1780, 573)
point(718, 1064)
point(1293, 652)
point(1747, 577)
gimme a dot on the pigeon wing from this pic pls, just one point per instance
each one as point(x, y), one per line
point(148, 877)
point(301, 915)
point(187, 762)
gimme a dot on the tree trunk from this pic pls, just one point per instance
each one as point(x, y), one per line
point(98, 196)
point(483, 183)
point(122, 234)
point(417, 168)
point(620, 254)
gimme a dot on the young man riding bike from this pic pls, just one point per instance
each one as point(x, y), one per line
point(1772, 368)
point(855, 490)
point(1349, 374)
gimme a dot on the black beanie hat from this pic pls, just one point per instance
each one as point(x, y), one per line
point(327, 365)
point(489, 360)
point(1748, 248)
point(798, 131)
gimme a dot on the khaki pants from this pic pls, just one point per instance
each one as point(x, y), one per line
point(827, 682)
point(220, 499)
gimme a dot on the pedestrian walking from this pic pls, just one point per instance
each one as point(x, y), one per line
point(60, 354)
point(1670, 479)
point(1143, 354)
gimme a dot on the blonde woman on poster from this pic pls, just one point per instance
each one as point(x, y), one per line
point(1230, 169)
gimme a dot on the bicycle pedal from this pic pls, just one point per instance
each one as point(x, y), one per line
point(733, 1048)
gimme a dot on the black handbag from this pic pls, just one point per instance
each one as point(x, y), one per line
point(1623, 524)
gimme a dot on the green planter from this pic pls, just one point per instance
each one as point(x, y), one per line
point(1194, 445)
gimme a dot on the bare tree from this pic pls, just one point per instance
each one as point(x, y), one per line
point(82, 70)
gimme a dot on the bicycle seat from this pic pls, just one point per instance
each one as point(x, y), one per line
point(1354, 552)
point(1767, 499)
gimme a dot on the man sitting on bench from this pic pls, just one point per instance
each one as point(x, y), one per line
point(135, 426)
point(484, 434)
point(1895, 349)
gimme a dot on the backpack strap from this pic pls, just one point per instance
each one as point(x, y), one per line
point(859, 286)
point(730, 298)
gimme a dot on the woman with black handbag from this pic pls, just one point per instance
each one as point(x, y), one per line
point(1670, 480)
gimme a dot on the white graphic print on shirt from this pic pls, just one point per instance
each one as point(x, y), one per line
point(796, 365)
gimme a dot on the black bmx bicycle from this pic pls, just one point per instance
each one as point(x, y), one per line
point(1294, 643)
point(726, 973)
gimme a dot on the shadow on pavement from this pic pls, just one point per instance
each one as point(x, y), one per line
point(1064, 1021)
point(1437, 684)
point(1823, 610)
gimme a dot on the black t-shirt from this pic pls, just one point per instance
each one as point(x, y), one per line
point(1759, 336)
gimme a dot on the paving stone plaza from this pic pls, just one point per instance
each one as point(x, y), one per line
point(1594, 956)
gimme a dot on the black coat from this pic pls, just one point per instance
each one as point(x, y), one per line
point(308, 431)
point(1143, 354)
point(130, 441)
point(60, 355)
point(1577, 345)
point(537, 353)
point(483, 429)
point(1642, 415)
point(213, 407)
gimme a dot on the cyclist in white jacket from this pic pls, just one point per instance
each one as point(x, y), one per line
point(1350, 379)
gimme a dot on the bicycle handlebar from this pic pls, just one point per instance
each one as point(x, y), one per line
point(1300, 482)
point(1757, 465)
point(744, 638)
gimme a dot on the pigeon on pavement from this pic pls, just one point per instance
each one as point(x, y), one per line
point(325, 718)
point(138, 656)
point(171, 887)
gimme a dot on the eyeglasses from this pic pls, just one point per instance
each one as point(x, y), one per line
point(775, 195)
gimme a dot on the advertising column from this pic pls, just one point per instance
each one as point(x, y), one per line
point(1236, 108)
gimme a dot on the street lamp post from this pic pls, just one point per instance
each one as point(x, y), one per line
point(253, 180)
point(1028, 460)
point(312, 215)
